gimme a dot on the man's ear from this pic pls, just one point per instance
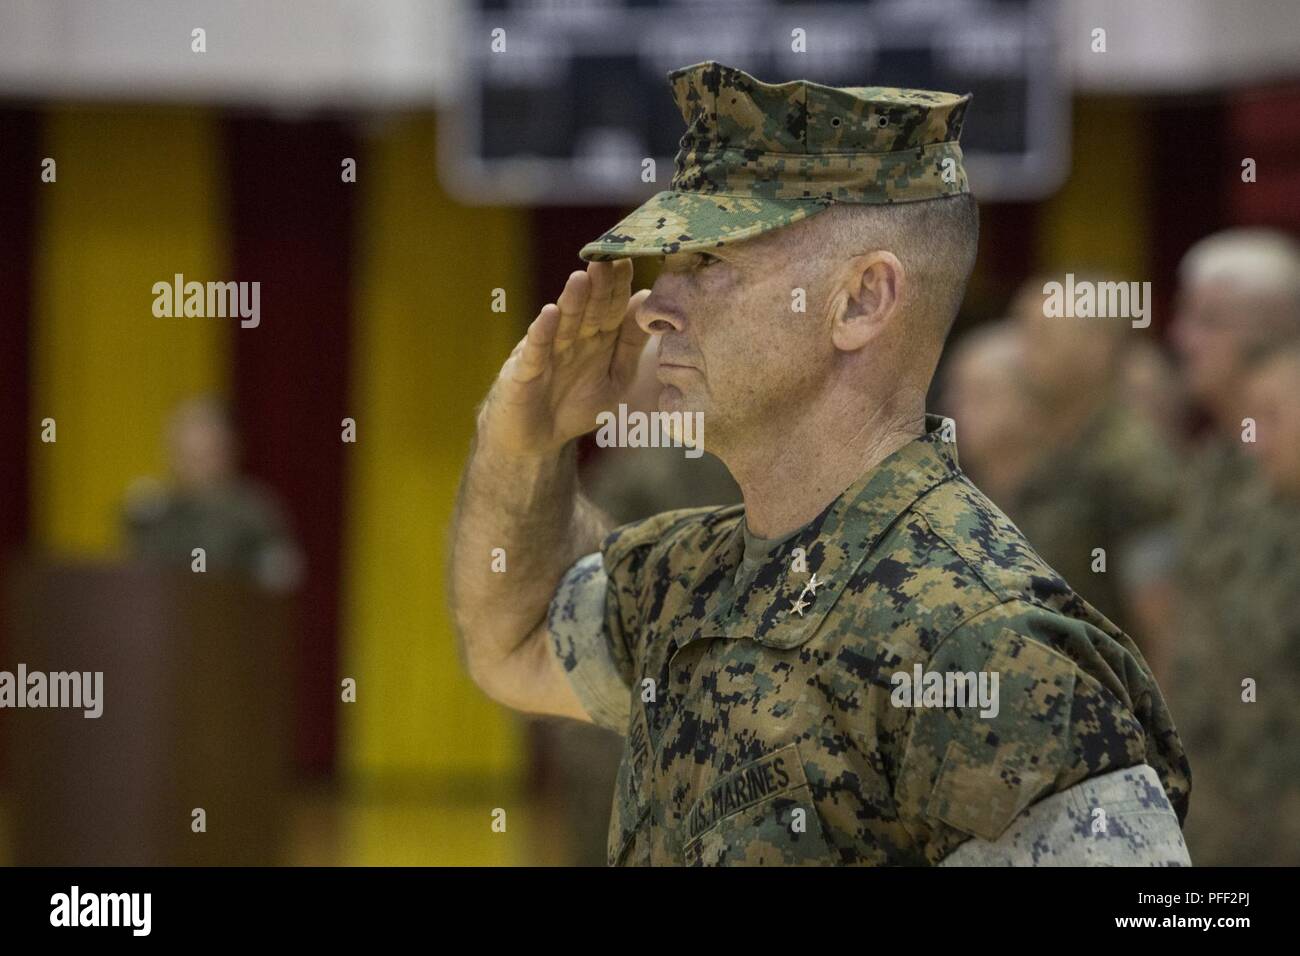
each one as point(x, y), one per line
point(867, 299)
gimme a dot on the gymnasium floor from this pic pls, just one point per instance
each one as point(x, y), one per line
point(329, 827)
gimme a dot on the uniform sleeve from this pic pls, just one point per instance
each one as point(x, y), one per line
point(1056, 702)
point(596, 613)
point(1121, 818)
point(595, 665)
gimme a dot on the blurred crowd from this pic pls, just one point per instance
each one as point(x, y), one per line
point(1163, 482)
point(1160, 475)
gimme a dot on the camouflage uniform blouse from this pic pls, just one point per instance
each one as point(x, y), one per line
point(756, 700)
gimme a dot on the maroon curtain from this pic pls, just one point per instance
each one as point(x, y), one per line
point(19, 182)
point(1185, 187)
point(291, 223)
point(1265, 126)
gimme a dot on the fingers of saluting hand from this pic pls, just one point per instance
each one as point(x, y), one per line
point(571, 303)
point(592, 302)
point(631, 340)
point(611, 286)
point(534, 352)
point(599, 286)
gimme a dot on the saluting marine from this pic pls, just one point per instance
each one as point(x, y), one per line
point(816, 244)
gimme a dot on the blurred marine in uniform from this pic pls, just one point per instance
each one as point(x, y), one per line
point(865, 663)
point(1098, 502)
point(985, 387)
point(1239, 294)
point(1237, 671)
point(207, 504)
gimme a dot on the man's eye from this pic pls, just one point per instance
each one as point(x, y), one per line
point(703, 259)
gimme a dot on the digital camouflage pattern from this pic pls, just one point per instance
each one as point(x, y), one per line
point(627, 484)
point(1122, 818)
point(742, 709)
point(757, 156)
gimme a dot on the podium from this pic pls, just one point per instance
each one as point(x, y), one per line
point(196, 707)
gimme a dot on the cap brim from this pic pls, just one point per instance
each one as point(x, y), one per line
point(673, 221)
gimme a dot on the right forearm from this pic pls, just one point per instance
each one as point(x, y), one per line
point(520, 522)
point(530, 509)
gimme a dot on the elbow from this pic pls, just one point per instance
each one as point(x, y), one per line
point(484, 674)
point(489, 671)
point(494, 681)
point(510, 678)
point(499, 652)
point(478, 666)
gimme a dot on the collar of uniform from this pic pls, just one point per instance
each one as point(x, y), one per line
point(834, 544)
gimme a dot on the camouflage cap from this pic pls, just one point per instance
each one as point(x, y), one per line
point(757, 156)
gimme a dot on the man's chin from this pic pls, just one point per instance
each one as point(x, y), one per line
point(686, 416)
point(673, 399)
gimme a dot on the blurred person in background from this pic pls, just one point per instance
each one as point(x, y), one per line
point(1151, 386)
point(1239, 558)
point(983, 387)
point(1239, 291)
point(1273, 394)
point(1103, 476)
point(207, 504)
point(1241, 672)
point(628, 484)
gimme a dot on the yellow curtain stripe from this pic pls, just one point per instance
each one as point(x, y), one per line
point(425, 349)
point(138, 199)
point(1078, 231)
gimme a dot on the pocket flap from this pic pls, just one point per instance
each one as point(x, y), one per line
point(993, 768)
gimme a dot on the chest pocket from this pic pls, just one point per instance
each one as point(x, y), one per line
point(629, 823)
point(761, 814)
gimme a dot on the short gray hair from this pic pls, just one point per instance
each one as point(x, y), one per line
point(935, 239)
point(1259, 261)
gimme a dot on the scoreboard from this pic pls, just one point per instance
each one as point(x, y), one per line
point(563, 100)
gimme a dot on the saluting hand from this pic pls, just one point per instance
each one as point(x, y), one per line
point(578, 359)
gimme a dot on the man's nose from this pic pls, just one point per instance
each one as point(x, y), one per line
point(658, 314)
